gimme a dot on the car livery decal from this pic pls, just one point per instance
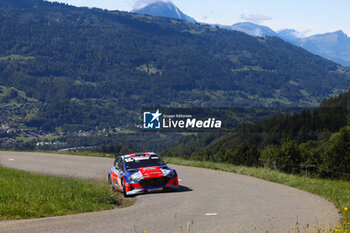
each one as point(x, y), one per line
point(151, 172)
point(114, 177)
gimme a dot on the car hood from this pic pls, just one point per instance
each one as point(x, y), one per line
point(151, 172)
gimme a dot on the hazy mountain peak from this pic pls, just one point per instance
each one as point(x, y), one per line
point(341, 35)
point(164, 9)
point(340, 32)
point(290, 34)
point(253, 29)
point(332, 45)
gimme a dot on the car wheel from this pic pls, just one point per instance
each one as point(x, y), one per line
point(110, 183)
point(124, 191)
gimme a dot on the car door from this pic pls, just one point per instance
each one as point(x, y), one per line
point(117, 173)
point(119, 168)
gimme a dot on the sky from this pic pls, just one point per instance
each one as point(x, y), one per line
point(309, 17)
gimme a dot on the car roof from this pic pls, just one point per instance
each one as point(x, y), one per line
point(138, 154)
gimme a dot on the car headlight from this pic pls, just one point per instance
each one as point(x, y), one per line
point(169, 173)
point(136, 177)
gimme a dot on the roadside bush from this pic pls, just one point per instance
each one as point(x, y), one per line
point(335, 160)
point(242, 155)
point(287, 158)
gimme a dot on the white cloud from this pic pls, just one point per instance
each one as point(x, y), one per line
point(302, 34)
point(256, 18)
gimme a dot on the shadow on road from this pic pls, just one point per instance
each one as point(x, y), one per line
point(181, 189)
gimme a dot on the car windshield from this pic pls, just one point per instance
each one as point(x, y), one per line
point(143, 161)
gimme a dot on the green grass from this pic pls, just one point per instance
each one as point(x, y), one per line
point(83, 153)
point(281, 100)
point(293, 83)
point(248, 68)
point(24, 139)
point(25, 195)
point(5, 90)
point(82, 83)
point(50, 137)
point(194, 32)
point(304, 92)
point(149, 69)
point(336, 191)
point(124, 131)
point(16, 57)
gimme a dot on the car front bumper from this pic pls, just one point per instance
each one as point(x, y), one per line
point(133, 188)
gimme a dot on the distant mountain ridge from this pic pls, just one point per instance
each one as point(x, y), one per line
point(252, 29)
point(333, 45)
point(164, 9)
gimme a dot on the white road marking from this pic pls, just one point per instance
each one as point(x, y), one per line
point(180, 180)
point(11, 160)
point(211, 214)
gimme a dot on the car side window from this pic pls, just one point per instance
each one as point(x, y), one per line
point(120, 164)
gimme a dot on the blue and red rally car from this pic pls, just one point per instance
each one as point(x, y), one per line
point(141, 172)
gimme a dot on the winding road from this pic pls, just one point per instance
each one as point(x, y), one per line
point(209, 201)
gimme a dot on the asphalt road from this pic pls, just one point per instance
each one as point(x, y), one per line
point(210, 201)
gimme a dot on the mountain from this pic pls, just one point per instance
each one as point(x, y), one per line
point(289, 34)
point(252, 29)
point(164, 9)
point(64, 68)
point(334, 46)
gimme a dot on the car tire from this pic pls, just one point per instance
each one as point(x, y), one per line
point(123, 186)
point(110, 184)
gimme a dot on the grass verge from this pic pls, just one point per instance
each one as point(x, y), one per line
point(83, 153)
point(335, 191)
point(25, 195)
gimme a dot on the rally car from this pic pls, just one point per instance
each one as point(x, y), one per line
point(141, 172)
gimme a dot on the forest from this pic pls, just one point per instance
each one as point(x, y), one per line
point(63, 67)
point(315, 143)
